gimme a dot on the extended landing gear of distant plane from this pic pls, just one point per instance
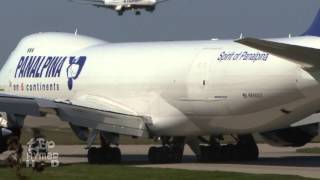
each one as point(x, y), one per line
point(245, 150)
point(137, 13)
point(105, 154)
point(171, 151)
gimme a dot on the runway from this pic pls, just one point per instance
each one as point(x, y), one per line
point(272, 160)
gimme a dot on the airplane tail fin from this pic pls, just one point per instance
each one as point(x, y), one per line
point(314, 29)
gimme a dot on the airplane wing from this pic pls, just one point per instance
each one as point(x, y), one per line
point(308, 58)
point(90, 2)
point(161, 1)
point(313, 119)
point(85, 112)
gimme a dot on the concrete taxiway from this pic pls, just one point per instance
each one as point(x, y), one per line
point(272, 160)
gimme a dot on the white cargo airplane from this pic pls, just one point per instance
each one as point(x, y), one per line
point(123, 5)
point(178, 92)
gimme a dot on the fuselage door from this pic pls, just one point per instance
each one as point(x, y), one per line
point(199, 74)
point(198, 80)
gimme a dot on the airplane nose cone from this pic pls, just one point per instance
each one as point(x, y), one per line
point(5, 132)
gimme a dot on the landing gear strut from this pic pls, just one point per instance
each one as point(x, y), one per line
point(245, 150)
point(105, 154)
point(171, 151)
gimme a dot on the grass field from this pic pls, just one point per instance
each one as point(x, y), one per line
point(314, 150)
point(93, 172)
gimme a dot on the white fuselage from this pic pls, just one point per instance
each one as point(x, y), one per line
point(186, 88)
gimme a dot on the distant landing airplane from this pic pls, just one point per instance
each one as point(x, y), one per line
point(123, 5)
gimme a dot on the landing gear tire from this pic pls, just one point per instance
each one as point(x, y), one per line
point(171, 150)
point(245, 150)
point(92, 155)
point(116, 155)
point(152, 154)
point(165, 154)
point(109, 155)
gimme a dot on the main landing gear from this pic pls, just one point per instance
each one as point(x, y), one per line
point(171, 151)
point(106, 154)
point(244, 150)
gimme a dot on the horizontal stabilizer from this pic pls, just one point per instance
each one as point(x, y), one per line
point(308, 58)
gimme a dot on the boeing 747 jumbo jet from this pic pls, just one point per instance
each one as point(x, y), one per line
point(123, 5)
point(178, 92)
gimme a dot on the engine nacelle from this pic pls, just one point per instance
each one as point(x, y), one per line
point(5, 135)
point(292, 137)
point(4, 139)
point(4, 126)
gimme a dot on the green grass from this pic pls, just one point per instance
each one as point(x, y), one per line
point(88, 172)
point(314, 150)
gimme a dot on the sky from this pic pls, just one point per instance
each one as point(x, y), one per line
point(173, 20)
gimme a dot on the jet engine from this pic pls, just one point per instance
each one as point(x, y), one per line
point(5, 133)
point(292, 137)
